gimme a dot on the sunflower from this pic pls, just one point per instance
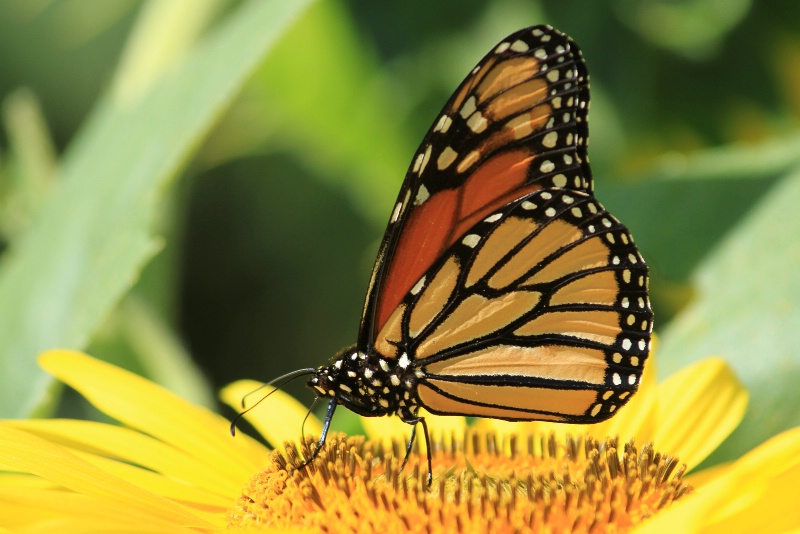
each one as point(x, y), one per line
point(173, 467)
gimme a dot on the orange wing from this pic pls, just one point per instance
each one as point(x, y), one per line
point(515, 125)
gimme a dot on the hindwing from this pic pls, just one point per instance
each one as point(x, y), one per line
point(538, 311)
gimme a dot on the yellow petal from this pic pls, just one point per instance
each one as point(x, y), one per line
point(20, 481)
point(757, 493)
point(698, 479)
point(279, 418)
point(30, 454)
point(158, 484)
point(762, 506)
point(143, 405)
point(698, 407)
point(135, 448)
point(30, 510)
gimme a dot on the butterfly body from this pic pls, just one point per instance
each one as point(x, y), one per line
point(370, 384)
point(502, 288)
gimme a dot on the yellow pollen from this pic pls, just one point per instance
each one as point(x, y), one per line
point(481, 484)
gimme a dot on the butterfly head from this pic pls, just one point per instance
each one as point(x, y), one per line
point(368, 384)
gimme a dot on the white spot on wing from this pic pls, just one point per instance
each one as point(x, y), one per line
point(471, 240)
point(443, 124)
point(418, 162)
point(396, 212)
point(477, 122)
point(422, 195)
point(418, 286)
point(425, 159)
point(447, 157)
point(550, 139)
point(519, 46)
point(468, 108)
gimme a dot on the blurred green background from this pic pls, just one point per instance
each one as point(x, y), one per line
point(195, 189)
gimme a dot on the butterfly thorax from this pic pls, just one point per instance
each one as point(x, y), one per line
point(369, 384)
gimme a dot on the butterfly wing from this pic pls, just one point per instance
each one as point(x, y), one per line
point(515, 125)
point(539, 311)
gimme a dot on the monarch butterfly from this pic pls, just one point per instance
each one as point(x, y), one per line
point(502, 288)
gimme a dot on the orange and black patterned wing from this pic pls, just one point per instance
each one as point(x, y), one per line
point(537, 312)
point(516, 124)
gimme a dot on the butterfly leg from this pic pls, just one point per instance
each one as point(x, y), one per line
point(323, 435)
point(308, 414)
point(414, 422)
point(410, 445)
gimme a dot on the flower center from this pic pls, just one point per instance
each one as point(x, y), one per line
point(481, 484)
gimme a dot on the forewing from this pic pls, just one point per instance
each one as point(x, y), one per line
point(538, 312)
point(515, 125)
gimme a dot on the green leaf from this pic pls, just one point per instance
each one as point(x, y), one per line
point(747, 311)
point(335, 104)
point(664, 215)
point(710, 190)
point(92, 237)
